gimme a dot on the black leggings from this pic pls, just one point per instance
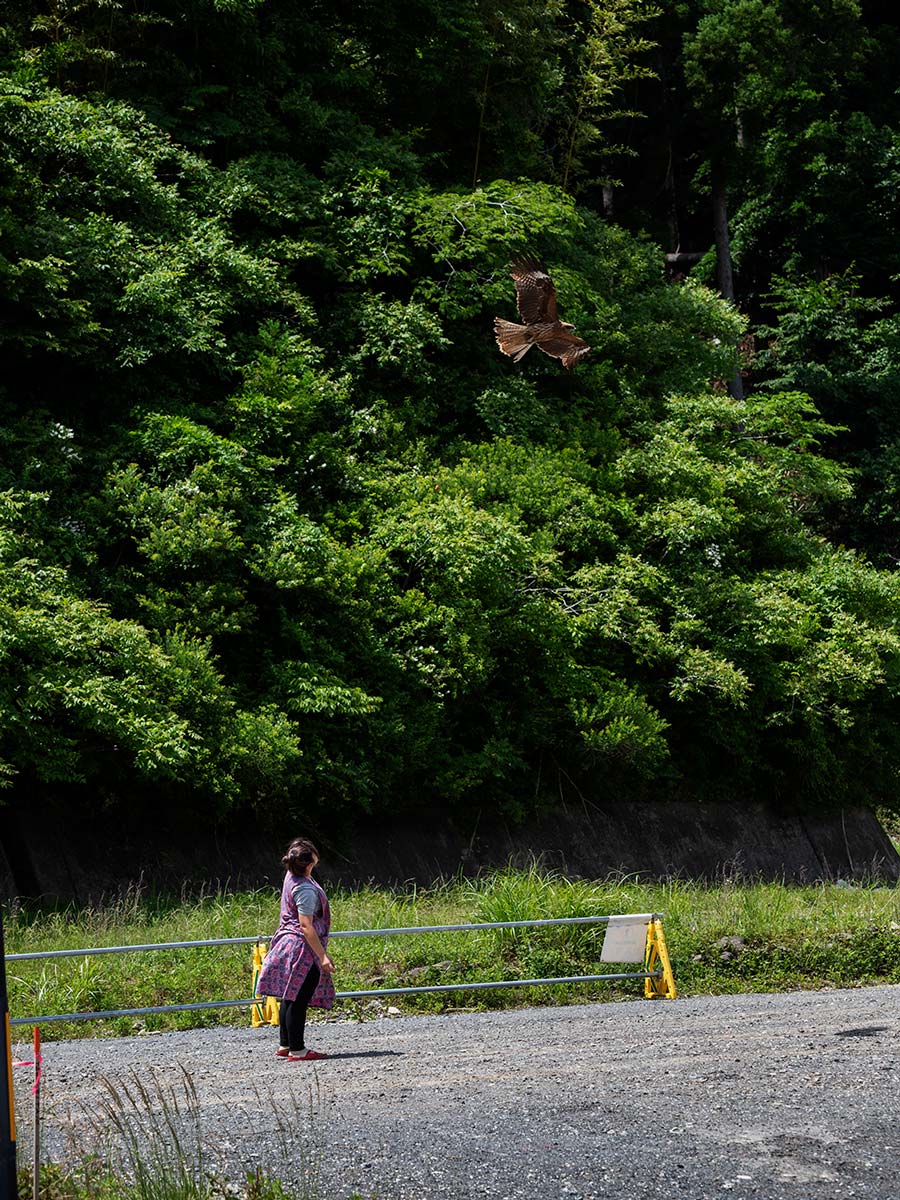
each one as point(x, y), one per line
point(292, 1013)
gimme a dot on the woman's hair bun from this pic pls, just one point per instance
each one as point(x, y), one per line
point(300, 853)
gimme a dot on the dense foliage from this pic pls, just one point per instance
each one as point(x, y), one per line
point(279, 522)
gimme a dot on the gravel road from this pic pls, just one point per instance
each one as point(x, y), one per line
point(781, 1097)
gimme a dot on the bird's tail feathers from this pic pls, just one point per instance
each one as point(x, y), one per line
point(514, 340)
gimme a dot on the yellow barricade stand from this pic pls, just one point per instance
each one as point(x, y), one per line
point(266, 1010)
point(638, 938)
point(657, 958)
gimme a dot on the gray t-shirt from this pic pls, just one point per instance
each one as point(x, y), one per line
point(305, 895)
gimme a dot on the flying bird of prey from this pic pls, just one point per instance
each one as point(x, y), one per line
point(536, 302)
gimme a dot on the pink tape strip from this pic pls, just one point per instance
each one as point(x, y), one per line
point(30, 1062)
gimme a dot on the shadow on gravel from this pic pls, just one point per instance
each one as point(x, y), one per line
point(366, 1054)
point(863, 1031)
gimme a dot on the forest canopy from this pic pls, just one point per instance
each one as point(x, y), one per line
point(277, 519)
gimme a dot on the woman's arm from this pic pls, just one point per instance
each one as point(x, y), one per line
point(309, 932)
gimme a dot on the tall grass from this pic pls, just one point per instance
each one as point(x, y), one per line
point(150, 1134)
point(735, 936)
point(144, 1140)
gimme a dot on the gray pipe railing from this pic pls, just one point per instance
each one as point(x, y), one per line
point(403, 991)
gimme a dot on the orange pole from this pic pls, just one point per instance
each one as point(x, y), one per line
point(37, 1114)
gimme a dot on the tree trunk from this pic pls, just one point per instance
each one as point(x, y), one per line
point(609, 202)
point(724, 271)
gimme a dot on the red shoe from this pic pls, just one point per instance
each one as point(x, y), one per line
point(281, 1052)
point(306, 1056)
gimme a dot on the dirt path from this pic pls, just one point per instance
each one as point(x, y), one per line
point(781, 1097)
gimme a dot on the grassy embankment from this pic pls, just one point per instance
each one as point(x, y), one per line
point(733, 937)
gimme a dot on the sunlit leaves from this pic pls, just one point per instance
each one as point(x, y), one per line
point(399, 336)
point(368, 218)
point(612, 54)
point(86, 696)
point(117, 253)
point(618, 724)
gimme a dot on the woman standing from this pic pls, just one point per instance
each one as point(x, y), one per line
point(297, 968)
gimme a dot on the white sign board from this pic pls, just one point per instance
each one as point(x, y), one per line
point(626, 939)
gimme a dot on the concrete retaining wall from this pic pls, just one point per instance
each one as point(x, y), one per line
point(652, 840)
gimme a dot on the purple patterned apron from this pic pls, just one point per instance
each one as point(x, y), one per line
point(290, 956)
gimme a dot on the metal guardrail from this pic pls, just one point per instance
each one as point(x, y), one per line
point(344, 933)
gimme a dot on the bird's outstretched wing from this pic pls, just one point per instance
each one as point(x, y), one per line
point(535, 293)
point(565, 346)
